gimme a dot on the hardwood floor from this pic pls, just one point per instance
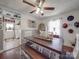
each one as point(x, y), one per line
point(11, 49)
point(17, 53)
point(11, 54)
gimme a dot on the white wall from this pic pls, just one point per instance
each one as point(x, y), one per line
point(25, 22)
point(27, 31)
point(68, 38)
point(5, 10)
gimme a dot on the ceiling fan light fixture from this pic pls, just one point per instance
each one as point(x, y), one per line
point(41, 11)
point(38, 10)
point(39, 6)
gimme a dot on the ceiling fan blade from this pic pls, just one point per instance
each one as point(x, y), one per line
point(28, 3)
point(40, 3)
point(49, 8)
point(33, 11)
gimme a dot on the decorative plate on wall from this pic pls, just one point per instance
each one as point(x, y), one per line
point(65, 25)
point(70, 18)
point(76, 24)
point(70, 30)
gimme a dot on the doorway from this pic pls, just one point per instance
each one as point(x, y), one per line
point(11, 35)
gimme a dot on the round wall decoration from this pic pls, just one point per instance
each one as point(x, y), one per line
point(70, 18)
point(76, 24)
point(65, 25)
point(70, 30)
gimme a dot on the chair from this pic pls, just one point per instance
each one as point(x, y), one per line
point(75, 53)
point(76, 49)
point(54, 55)
point(46, 52)
point(40, 49)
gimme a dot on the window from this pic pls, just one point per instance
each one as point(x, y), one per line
point(9, 26)
point(54, 26)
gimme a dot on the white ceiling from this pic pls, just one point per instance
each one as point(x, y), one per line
point(61, 6)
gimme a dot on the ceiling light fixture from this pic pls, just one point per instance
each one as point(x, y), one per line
point(37, 10)
point(39, 6)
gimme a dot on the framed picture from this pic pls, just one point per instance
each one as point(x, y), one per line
point(76, 24)
point(31, 23)
point(70, 18)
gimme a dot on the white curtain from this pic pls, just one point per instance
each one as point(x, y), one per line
point(54, 26)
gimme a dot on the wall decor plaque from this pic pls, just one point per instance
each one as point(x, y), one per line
point(70, 30)
point(70, 18)
point(65, 25)
point(76, 24)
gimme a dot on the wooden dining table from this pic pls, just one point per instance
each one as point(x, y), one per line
point(54, 45)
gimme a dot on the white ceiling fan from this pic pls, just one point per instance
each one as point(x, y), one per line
point(38, 6)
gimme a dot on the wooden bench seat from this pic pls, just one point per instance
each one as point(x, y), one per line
point(33, 53)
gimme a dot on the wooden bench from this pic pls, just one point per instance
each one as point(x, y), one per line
point(32, 53)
